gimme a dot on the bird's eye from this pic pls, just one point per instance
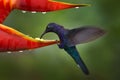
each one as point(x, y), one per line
point(48, 26)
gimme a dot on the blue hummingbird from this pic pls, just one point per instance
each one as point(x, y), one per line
point(70, 38)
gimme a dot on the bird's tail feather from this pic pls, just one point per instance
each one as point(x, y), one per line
point(75, 55)
point(82, 66)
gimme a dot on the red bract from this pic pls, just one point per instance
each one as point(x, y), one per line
point(44, 5)
point(13, 40)
point(33, 5)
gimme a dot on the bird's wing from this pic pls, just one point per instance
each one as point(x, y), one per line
point(84, 35)
point(72, 51)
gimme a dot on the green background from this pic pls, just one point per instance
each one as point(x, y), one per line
point(101, 56)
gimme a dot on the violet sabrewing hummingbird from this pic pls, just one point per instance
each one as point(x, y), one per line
point(70, 38)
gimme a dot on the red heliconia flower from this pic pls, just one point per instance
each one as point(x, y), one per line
point(44, 5)
point(13, 40)
point(6, 6)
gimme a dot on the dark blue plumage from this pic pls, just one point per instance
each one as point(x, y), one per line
point(70, 38)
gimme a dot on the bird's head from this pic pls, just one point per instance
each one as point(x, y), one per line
point(51, 27)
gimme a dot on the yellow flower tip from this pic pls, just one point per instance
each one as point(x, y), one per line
point(38, 39)
point(43, 40)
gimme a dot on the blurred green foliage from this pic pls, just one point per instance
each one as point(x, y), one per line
point(50, 63)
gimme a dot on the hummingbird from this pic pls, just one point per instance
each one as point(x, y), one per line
point(69, 38)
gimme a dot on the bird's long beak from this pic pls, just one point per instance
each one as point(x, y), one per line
point(43, 34)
